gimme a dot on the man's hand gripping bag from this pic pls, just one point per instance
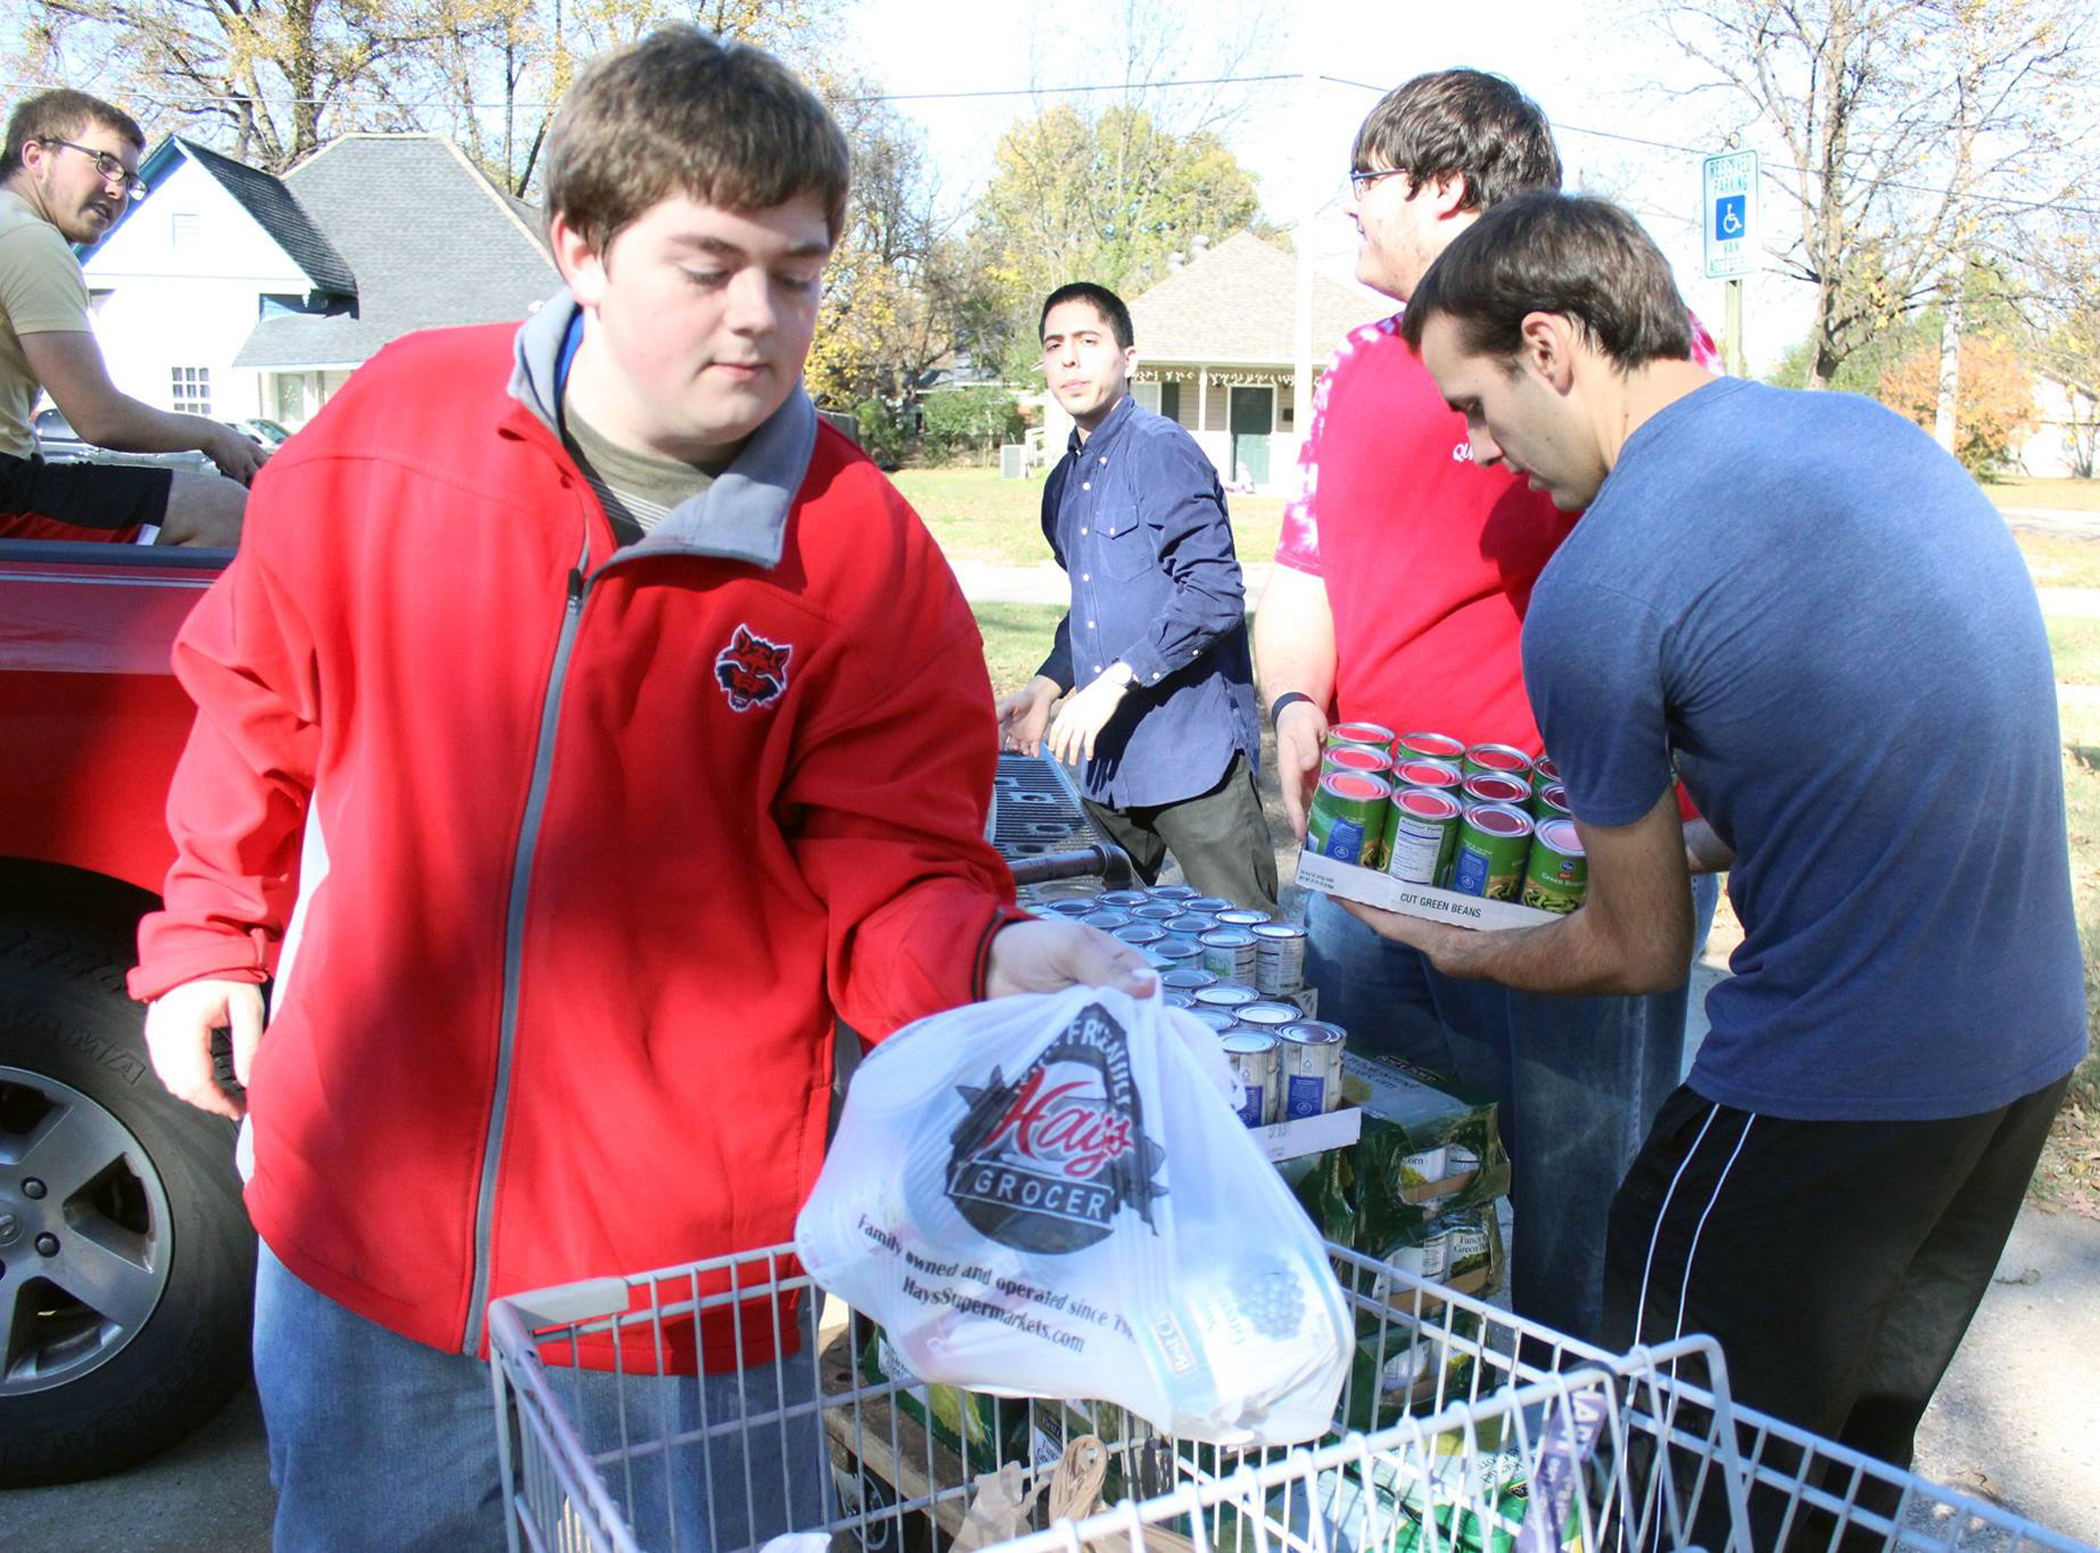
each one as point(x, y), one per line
point(1051, 1196)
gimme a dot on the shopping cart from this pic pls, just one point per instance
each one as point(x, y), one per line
point(1461, 1428)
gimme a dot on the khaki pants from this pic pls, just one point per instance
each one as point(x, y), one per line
point(1220, 839)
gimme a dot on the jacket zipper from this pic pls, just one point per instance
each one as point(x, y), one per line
point(514, 943)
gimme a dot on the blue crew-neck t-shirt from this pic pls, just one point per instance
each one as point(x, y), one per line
point(1812, 610)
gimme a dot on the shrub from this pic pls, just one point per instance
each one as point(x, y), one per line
point(969, 420)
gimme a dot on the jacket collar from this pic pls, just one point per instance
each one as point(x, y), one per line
point(1111, 427)
point(743, 514)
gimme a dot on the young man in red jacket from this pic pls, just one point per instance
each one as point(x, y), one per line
point(582, 728)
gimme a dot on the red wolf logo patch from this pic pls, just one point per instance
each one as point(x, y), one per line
point(752, 670)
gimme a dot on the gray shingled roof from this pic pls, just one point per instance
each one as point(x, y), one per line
point(431, 241)
point(276, 212)
point(1238, 303)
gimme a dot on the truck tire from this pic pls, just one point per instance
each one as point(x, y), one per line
point(127, 1264)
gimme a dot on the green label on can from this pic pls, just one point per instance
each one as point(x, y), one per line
point(1348, 819)
point(1493, 841)
point(1557, 875)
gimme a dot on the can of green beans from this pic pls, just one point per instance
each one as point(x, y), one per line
point(1547, 800)
point(1428, 746)
point(1493, 841)
point(1354, 757)
point(1348, 818)
point(1494, 787)
point(1557, 876)
point(1424, 839)
point(1370, 734)
point(1502, 759)
point(1421, 771)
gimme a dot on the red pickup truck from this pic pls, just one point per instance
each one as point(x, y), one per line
point(126, 1261)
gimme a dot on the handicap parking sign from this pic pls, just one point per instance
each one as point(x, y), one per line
point(1729, 195)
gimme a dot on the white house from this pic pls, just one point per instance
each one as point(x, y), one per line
point(2066, 440)
point(231, 292)
point(1215, 352)
point(183, 278)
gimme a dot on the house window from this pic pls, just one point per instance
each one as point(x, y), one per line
point(184, 228)
point(275, 304)
point(191, 391)
point(1170, 401)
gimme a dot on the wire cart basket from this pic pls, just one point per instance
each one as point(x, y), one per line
point(1461, 1428)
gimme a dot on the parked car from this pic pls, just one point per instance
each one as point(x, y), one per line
point(127, 1263)
point(271, 435)
point(59, 443)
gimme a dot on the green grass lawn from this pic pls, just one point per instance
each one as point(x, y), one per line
point(975, 515)
point(2056, 495)
point(2076, 647)
point(2060, 562)
point(2069, 1174)
point(1016, 639)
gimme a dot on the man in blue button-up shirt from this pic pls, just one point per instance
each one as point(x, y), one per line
point(1156, 636)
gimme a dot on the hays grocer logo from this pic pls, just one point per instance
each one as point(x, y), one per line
point(1044, 1162)
point(751, 670)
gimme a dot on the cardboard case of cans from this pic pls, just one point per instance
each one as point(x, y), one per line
point(1486, 821)
point(1428, 1148)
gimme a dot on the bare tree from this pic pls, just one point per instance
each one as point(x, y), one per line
point(267, 80)
point(1892, 117)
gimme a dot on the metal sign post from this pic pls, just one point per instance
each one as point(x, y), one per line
point(1728, 219)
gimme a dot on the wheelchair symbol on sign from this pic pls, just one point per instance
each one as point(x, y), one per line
point(1728, 217)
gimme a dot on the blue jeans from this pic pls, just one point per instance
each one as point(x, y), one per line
point(379, 1442)
point(1578, 1081)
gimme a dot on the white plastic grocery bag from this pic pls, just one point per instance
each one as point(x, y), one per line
point(1051, 1196)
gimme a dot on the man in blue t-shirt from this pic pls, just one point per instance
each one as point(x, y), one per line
point(1805, 609)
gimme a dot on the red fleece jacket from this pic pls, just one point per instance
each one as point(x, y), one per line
point(559, 957)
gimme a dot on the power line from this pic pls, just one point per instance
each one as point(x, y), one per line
point(1562, 128)
point(1074, 91)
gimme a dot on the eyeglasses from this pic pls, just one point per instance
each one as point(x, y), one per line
point(1361, 179)
point(112, 170)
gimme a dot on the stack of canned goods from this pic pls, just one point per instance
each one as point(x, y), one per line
point(1243, 975)
point(1486, 820)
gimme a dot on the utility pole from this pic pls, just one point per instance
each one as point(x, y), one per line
point(1732, 352)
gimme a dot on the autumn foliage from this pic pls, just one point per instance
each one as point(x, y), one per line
point(1994, 403)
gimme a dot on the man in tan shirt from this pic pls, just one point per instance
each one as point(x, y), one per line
point(71, 166)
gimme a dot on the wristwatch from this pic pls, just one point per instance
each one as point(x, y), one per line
point(1122, 674)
